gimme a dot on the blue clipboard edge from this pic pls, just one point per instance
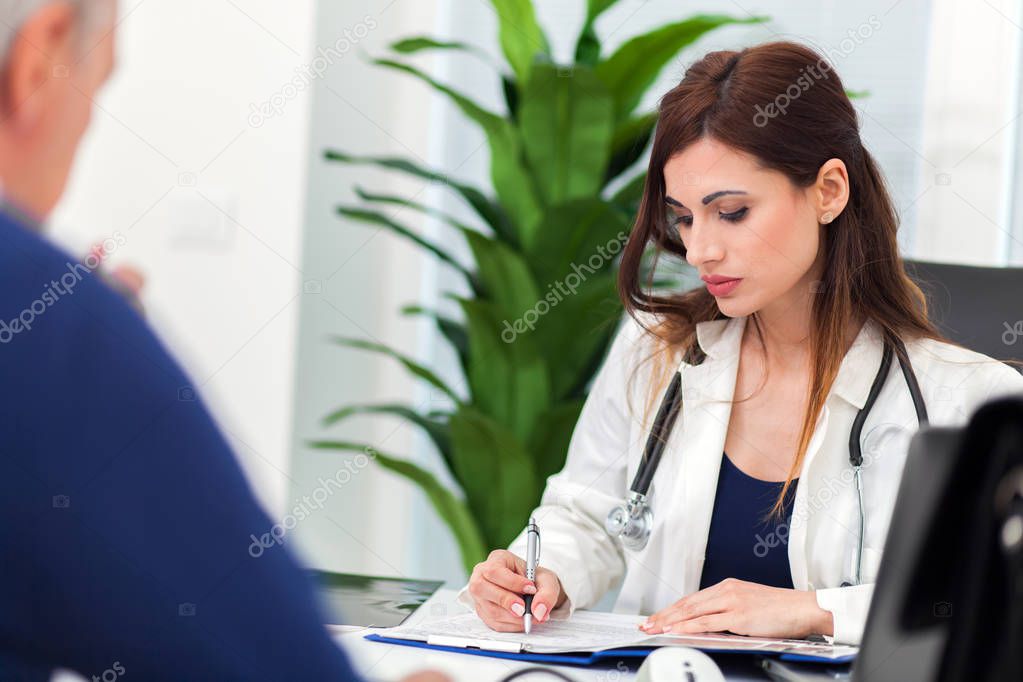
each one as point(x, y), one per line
point(584, 659)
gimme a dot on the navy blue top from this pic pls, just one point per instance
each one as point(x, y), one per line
point(745, 542)
point(125, 521)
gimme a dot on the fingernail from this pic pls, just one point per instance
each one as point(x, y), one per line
point(644, 626)
point(529, 589)
point(541, 611)
point(518, 609)
point(667, 629)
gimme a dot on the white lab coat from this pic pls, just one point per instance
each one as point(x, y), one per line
point(608, 442)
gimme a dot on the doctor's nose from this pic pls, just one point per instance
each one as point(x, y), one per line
point(703, 246)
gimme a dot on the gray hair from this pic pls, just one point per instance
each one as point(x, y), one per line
point(14, 13)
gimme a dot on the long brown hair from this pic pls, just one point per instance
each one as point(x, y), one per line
point(736, 98)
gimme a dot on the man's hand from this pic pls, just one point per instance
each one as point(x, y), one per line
point(497, 586)
point(744, 608)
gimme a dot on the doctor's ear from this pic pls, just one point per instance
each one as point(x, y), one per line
point(830, 193)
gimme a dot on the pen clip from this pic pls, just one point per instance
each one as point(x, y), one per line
point(533, 528)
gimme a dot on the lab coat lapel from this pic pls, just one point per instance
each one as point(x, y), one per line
point(706, 408)
point(852, 384)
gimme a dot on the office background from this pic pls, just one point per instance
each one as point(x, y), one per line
point(229, 210)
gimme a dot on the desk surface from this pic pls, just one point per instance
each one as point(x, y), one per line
point(381, 662)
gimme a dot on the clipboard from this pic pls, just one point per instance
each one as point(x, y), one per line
point(500, 649)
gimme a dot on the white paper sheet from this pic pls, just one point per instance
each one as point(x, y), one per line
point(594, 631)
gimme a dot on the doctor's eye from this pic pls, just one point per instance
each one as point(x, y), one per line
point(674, 219)
point(735, 216)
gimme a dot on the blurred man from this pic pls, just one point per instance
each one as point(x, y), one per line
point(125, 522)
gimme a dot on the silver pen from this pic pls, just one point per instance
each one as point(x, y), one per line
point(532, 557)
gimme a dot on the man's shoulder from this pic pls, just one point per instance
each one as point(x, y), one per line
point(24, 251)
point(55, 309)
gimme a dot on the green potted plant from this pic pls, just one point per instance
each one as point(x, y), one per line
point(543, 304)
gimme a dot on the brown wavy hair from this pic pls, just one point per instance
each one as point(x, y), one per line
point(720, 97)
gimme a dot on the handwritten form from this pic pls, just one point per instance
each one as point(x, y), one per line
point(594, 631)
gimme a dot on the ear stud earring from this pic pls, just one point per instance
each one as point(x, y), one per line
point(827, 218)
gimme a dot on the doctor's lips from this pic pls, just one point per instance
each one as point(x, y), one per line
point(720, 285)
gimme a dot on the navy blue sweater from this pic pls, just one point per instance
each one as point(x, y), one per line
point(125, 522)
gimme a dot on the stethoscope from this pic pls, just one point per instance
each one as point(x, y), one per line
point(632, 522)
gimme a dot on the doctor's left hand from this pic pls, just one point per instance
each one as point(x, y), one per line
point(744, 608)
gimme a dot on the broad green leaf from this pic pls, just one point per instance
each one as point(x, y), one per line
point(380, 220)
point(512, 183)
point(492, 213)
point(587, 48)
point(632, 69)
point(576, 333)
point(594, 8)
point(581, 237)
point(504, 275)
point(453, 511)
point(549, 444)
point(567, 122)
point(522, 39)
point(437, 430)
point(410, 364)
point(499, 480)
point(507, 376)
point(629, 143)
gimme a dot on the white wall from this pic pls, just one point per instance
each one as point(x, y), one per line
point(971, 124)
point(211, 206)
point(365, 276)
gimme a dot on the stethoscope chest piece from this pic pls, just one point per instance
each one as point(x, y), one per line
point(631, 522)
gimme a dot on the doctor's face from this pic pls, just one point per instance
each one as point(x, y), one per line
point(740, 221)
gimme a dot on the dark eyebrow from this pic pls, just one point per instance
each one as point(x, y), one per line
point(707, 199)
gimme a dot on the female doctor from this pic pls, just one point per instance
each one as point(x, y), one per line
point(758, 178)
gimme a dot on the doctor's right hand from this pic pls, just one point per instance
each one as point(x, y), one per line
point(497, 586)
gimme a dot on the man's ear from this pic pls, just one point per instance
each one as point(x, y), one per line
point(43, 49)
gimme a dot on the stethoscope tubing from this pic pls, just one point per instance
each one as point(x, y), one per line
point(671, 407)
